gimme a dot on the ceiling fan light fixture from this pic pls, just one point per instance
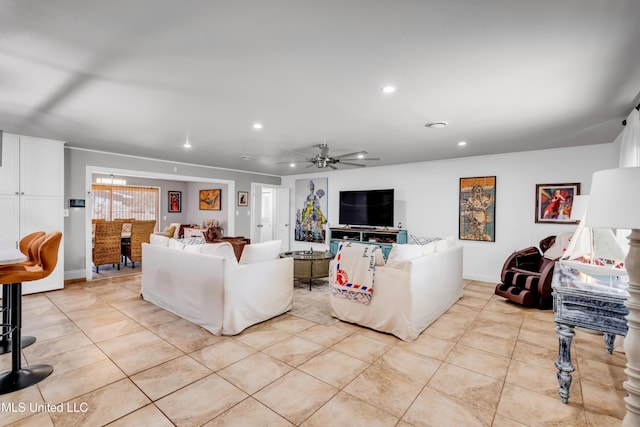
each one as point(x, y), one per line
point(187, 144)
point(437, 125)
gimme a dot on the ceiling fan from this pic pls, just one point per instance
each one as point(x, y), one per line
point(324, 160)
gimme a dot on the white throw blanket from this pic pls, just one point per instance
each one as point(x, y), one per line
point(354, 271)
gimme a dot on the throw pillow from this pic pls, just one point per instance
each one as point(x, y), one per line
point(401, 253)
point(257, 252)
point(423, 240)
point(193, 248)
point(176, 244)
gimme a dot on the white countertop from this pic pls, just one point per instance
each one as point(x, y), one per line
point(9, 254)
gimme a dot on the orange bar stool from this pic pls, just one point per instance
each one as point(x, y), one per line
point(29, 245)
point(21, 377)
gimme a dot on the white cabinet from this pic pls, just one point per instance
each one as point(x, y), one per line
point(32, 196)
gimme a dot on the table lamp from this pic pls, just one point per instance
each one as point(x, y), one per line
point(615, 203)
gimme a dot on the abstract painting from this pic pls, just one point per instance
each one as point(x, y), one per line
point(478, 209)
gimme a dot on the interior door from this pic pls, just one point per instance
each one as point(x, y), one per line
point(270, 214)
point(267, 214)
point(282, 217)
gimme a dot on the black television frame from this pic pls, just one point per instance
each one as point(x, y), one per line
point(387, 218)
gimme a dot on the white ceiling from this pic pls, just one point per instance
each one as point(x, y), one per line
point(138, 76)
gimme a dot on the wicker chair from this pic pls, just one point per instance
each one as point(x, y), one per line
point(140, 232)
point(106, 246)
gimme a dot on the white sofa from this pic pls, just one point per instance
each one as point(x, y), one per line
point(415, 287)
point(206, 285)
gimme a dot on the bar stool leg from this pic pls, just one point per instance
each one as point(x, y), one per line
point(18, 377)
point(5, 342)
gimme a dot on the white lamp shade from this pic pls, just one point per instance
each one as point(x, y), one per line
point(615, 199)
point(579, 207)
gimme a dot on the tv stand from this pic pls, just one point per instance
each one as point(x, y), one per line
point(383, 237)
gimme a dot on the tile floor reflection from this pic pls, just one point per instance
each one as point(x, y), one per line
point(121, 361)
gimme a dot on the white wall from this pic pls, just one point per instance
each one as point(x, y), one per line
point(426, 196)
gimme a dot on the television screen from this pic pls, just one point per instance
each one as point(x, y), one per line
point(369, 207)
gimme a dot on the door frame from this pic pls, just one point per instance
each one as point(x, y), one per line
point(255, 215)
point(90, 170)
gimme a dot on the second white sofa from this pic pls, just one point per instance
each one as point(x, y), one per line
point(206, 285)
point(415, 287)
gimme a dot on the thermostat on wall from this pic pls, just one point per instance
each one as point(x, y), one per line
point(76, 203)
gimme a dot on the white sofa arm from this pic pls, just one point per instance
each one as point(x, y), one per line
point(190, 285)
point(256, 292)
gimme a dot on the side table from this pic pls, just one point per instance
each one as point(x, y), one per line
point(579, 300)
point(309, 264)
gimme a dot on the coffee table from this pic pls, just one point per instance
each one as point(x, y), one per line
point(309, 264)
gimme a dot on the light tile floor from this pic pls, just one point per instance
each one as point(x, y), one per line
point(122, 361)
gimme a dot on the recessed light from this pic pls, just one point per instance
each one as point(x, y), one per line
point(389, 89)
point(437, 125)
point(361, 156)
point(187, 144)
point(462, 143)
point(292, 165)
point(257, 125)
point(246, 157)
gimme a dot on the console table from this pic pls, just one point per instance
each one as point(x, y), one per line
point(309, 264)
point(385, 238)
point(593, 305)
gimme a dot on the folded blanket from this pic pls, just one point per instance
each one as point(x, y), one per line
point(354, 270)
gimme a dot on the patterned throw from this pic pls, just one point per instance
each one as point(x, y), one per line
point(354, 271)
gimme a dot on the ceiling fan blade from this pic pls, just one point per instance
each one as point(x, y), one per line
point(333, 167)
point(305, 156)
point(365, 158)
point(312, 164)
point(352, 164)
point(344, 156)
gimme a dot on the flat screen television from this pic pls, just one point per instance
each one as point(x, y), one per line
point(373, 208)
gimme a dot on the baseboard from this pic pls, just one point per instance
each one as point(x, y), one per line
point(74, 274)
point(483, 278)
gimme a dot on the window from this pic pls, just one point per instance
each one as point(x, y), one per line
point(122, 201)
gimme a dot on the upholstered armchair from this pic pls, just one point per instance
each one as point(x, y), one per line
point(526, 276)
point(214, 235)
point(140, 232)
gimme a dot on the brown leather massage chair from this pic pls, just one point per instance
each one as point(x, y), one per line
point(526, 276)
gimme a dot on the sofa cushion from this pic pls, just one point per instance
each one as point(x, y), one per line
point(158, 240)
point(224, 250)
point(401, 253)
point(259, 252)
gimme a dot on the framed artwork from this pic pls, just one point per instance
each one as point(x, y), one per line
point(311, 209)
point(243, 198)
point(175, 201)
point(211, 200)
point(554, 202)
point(478, 209)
